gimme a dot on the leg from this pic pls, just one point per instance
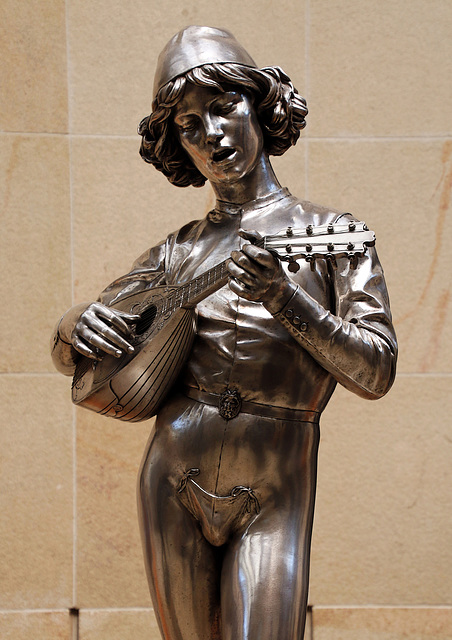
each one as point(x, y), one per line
point(266, 570)
point(183, 568)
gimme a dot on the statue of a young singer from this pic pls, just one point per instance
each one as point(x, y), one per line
point(228, 481)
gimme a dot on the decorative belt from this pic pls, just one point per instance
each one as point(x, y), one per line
point(230, 404)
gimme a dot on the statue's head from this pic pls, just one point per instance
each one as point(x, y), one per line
point(212, 58)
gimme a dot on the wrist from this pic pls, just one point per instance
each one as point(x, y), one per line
point(278, 295)
point(68, 321)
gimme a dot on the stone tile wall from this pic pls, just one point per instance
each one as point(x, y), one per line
point(78, 206)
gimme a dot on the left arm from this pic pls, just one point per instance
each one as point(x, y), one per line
point(356, 343)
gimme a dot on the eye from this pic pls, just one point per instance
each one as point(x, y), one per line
point(226, 104)
point(224, 109)
point(186, 125)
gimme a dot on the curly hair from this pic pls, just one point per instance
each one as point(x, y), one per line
point(280, 110)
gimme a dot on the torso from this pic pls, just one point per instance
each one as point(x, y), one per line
point(239, 344)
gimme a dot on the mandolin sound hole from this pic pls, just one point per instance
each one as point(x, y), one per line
point(146, 320)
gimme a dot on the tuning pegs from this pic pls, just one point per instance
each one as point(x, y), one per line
point(353, 258)
point(311, 261)
point(332, 258)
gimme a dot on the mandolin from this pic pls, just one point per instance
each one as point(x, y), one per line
point(133, 387)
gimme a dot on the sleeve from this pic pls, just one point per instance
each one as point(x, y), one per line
point(356, 342)
point(147, 272)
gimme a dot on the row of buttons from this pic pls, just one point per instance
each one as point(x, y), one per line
point(296, 320)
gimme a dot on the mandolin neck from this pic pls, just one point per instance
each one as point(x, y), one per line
point(328, 241)
point(208, 282)
point(189, 294)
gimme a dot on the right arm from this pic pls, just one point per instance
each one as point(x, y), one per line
point(93, 329)
point(90, 330)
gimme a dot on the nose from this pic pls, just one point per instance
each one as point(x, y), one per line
point(213, 129)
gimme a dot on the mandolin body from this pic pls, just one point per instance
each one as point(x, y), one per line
point(132, 387)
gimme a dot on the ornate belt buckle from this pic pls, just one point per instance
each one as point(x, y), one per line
point(230, 404)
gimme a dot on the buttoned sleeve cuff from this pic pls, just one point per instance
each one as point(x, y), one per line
point(296, 315)
point(360, 358)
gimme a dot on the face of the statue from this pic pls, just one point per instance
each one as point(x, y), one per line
point(220, 132)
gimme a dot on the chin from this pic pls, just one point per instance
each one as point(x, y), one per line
point(234, 174)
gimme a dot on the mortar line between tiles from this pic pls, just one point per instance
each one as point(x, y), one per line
point(446, 607)
point(310, 618)
point(36, 134)
point(342, 607)
point(68, 69)
point(429, 374)
point(62, 134)
point(28, 611)
point(69, 109)
point(307, 27)
point(118, 609)
point(74, 508)
point(71, 245)
point(30, 373)
point(366, 138)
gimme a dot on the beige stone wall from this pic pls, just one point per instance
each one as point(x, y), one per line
point(78, 205)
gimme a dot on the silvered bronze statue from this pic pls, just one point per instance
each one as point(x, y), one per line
point(234, 331)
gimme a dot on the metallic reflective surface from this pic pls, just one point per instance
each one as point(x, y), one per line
point(265, 558)
point(220, 132)
point(195, 46)
point(255, 584)
point(227, 483)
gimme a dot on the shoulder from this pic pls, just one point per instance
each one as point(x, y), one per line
point(188, 232)
point(318, 214)
point(159, 252)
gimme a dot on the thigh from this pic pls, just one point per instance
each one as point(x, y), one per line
point(265, 575)
point(183, 569)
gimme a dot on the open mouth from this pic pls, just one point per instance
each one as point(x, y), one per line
point(222, 154)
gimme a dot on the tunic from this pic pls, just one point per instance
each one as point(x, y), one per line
point(340, 332)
